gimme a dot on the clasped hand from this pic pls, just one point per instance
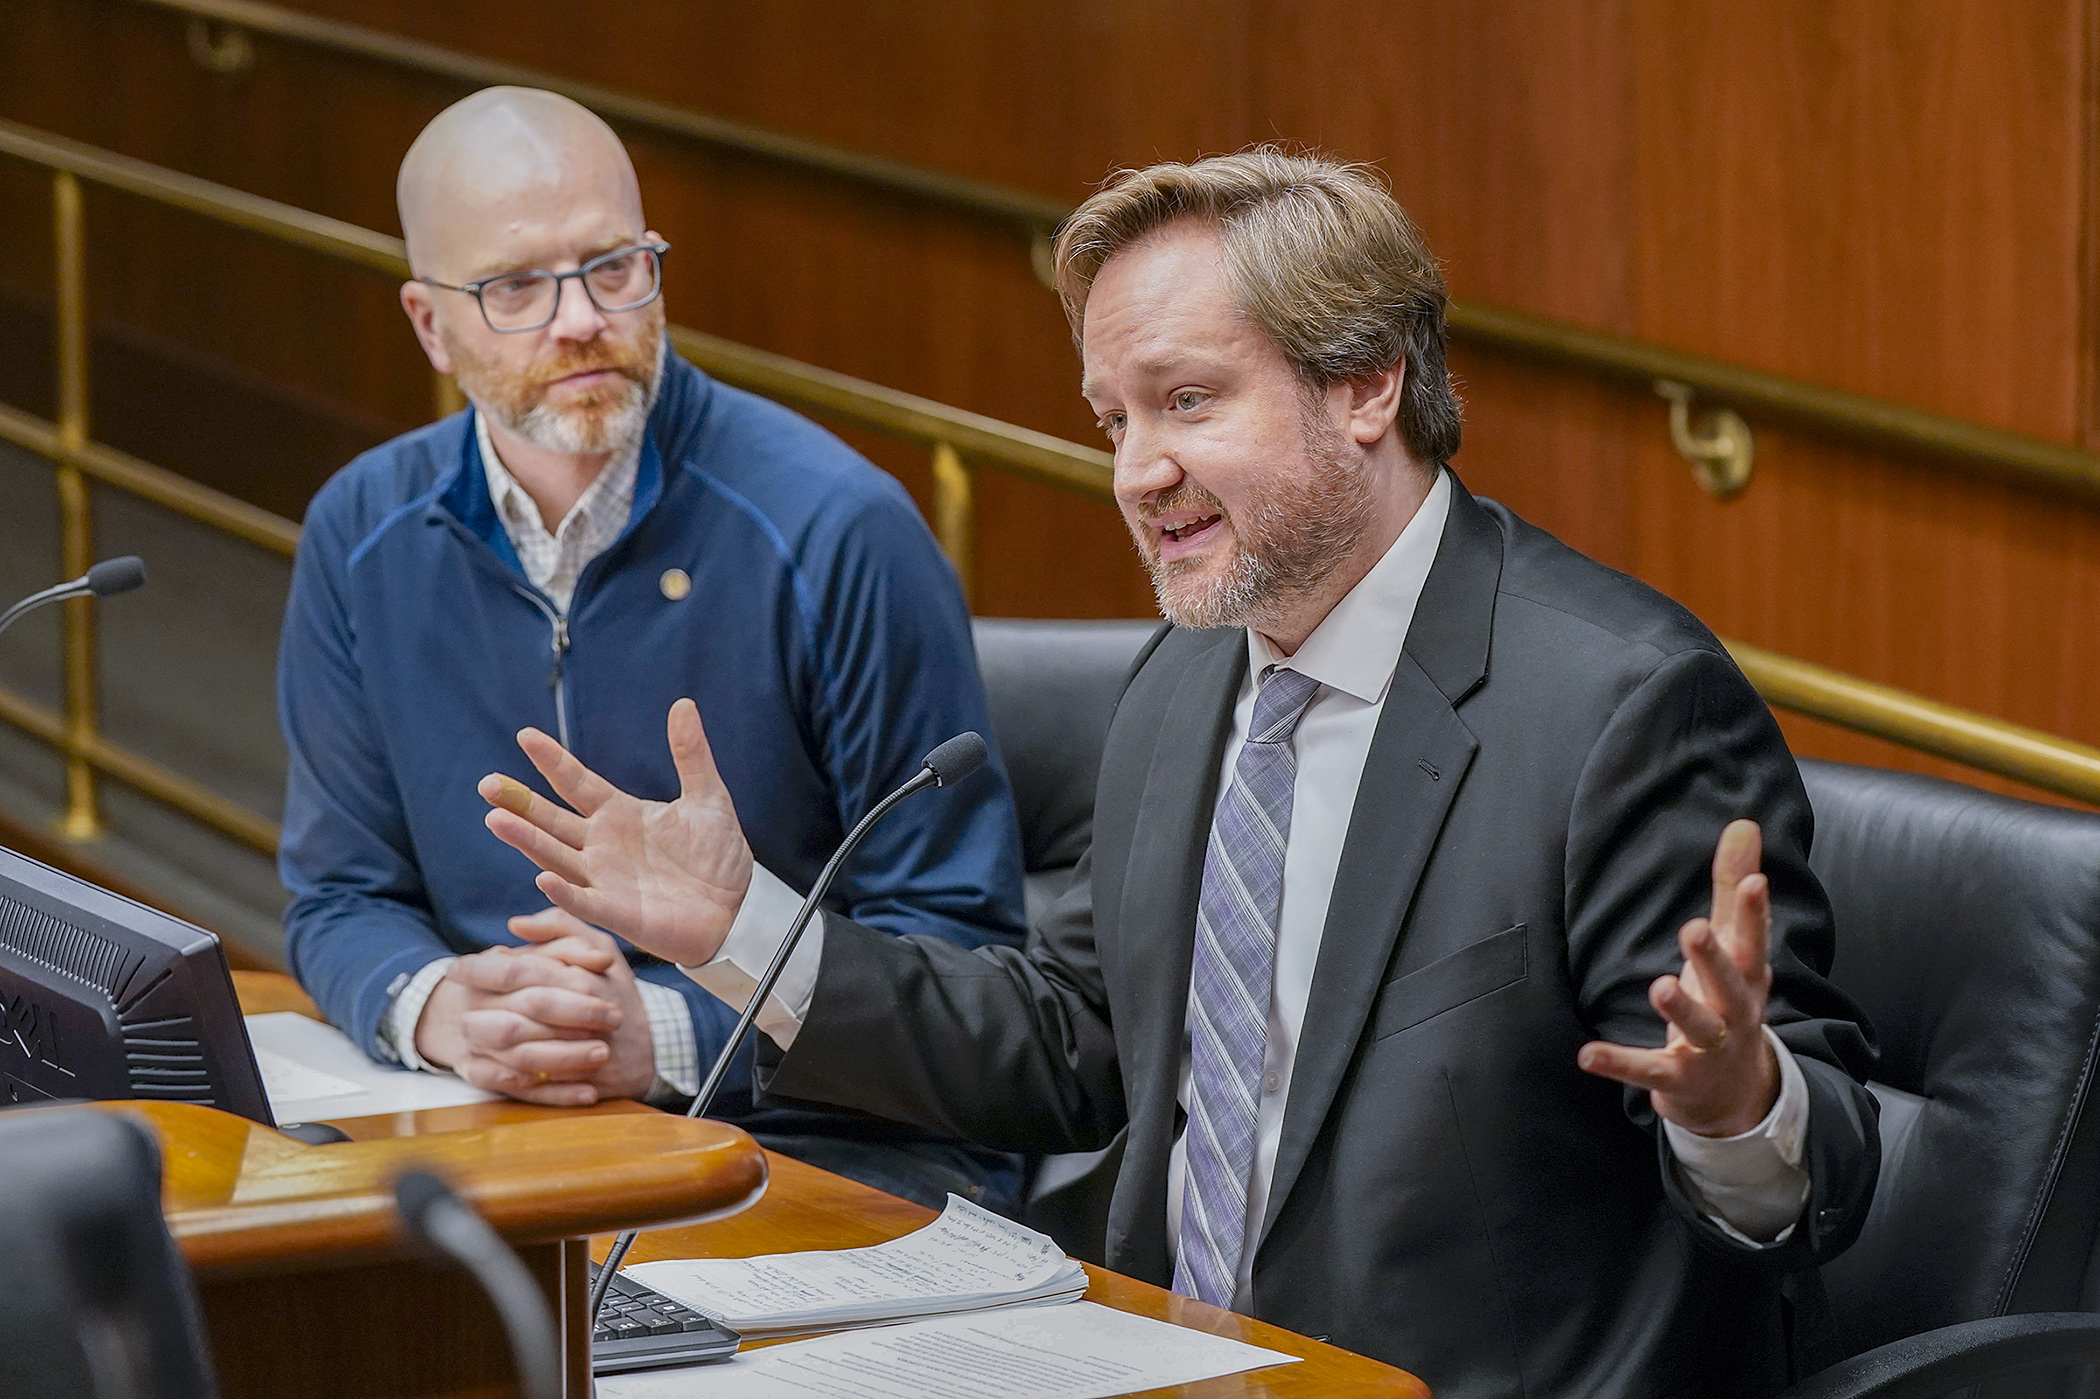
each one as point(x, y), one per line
point(1715, 1073)
point(559, 1021)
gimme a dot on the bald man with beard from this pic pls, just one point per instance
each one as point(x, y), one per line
point(603, 531)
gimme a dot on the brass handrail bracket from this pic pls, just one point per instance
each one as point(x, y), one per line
point(1042, 256)
point(1720, 451)
point(224, 49)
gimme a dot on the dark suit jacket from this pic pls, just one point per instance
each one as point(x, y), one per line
point(1557, 755)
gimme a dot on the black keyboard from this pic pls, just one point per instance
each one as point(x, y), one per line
point(641, 1329)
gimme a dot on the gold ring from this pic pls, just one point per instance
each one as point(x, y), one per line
point(1710, 1048)
point(544, 1077)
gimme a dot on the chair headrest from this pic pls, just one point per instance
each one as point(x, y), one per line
point(1968, 923)
point(1052, 686)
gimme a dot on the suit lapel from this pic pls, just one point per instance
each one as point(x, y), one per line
point(1156, 939)
point(1419, 756)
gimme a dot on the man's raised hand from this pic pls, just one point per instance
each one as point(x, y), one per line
point(1715, 1074)
point(667, 876)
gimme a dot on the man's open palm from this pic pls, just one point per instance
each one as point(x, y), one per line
point(667, 876)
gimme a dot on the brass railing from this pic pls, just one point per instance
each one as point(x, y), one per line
point(219, 40)
point(1720, 459)
point(952, 436)
point(960, 443)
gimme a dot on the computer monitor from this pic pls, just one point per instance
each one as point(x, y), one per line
point(101, 997)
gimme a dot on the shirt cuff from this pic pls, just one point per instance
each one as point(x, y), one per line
point(1752, 1186)
point(761, 925)
point(397, 1027)
point(671, 1031)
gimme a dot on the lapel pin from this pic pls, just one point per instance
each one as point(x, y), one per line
point(676, 583)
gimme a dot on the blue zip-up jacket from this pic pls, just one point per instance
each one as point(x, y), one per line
point(824, 639)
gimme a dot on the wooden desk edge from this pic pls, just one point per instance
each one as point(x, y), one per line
point(791, 1196)
point(242, 1199)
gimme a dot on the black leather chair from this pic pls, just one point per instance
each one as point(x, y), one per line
point(1051, 687)
point(1969, 930)
point(94, 1298)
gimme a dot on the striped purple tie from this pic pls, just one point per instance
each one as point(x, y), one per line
point(1229, 988)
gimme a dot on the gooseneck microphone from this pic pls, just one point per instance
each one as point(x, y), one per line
point(943, 767)
point(445, 1227)
point(105, 579)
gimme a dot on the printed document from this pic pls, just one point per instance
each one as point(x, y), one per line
point(1082, 1351)
point(967, 1259)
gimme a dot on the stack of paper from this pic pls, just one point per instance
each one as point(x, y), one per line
point(967, 1260)
point(1078, 1352)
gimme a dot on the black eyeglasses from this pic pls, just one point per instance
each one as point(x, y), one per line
point(623, 280)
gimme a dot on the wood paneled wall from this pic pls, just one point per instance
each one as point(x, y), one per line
point(1892, 196)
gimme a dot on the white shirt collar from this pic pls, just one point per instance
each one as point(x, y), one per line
point(1357, 644)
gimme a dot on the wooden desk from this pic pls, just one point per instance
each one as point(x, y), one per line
point(805, 1208)
point(306, 1284)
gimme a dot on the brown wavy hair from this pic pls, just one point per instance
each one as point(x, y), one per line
point(1322, 259)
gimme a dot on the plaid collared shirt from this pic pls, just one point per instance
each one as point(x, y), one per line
point(553, 560)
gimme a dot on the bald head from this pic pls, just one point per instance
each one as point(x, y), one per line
point(504, 169)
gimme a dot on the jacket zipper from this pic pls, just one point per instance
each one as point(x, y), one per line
point(560, 624)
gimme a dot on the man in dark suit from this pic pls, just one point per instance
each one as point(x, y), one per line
point(1421, 954)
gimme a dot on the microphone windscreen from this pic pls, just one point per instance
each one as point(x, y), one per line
point(956, 759)
point(113, 576)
